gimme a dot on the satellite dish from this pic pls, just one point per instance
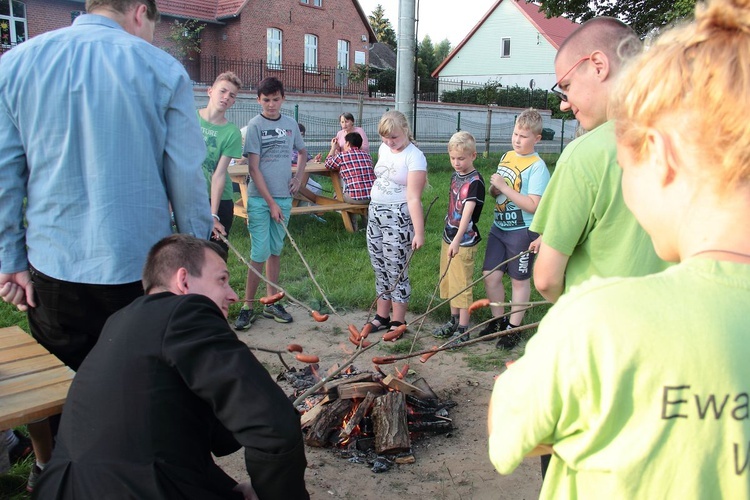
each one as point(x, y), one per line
point(532, 84)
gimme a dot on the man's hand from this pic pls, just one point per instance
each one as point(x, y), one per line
point(246, 488)
point(294, 185)
point(17, 289)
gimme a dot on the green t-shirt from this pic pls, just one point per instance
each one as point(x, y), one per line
point(640, 384)
point(583, 215)
point(221, 140)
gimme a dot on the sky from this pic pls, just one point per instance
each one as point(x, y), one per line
point(440, 19)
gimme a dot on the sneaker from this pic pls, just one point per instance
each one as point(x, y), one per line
point(493, 326)
point(277, 313)
point(246, 318)
point(508, 341)
point(34, 476)
point(21, 450)
point(458, 338)
point(446, 330)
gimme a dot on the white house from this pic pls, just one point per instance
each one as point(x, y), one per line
point(512, 44)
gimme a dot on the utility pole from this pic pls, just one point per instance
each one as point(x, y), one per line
point(405, 63)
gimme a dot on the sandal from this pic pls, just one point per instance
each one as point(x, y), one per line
point(391, 335)
point(382, 323)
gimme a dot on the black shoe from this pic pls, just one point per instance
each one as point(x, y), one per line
point(508, 341)
point(21, 450)
point(493, 327)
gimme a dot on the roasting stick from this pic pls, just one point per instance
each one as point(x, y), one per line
point(323, 380)
point(448, 345)
point(260, 275)
point(406, 266)
point(429, 311)
point(309, 271)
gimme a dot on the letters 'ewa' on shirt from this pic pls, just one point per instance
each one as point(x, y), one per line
point(98, 131)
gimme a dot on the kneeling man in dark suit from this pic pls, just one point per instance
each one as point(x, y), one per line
point(167, 384)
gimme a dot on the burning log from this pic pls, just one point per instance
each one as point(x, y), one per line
point(327, 422)
point(361, 411)
point(331, 385)
point(359, 390)
point(390, 425)
point(402, 386)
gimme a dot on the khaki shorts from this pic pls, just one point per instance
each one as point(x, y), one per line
point(460, 274)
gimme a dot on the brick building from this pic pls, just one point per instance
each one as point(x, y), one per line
point(313, 33)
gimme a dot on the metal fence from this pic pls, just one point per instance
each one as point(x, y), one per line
point(297, 78)
point(434, 129)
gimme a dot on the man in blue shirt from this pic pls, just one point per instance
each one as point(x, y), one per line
point(98, 138)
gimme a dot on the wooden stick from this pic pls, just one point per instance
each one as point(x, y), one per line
point(323, 380)
point(309, 271)
point(453, 345)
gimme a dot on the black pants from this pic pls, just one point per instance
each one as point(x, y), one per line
point(69, 317)
point(226, 217)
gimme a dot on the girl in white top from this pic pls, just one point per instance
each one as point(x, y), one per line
point(395, 222)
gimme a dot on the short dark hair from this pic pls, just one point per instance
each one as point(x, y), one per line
point(122, 6)
point(270, 85)
point(302, 128)
point(172, 253)
point(354, 139)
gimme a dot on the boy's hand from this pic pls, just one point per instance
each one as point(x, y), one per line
point(276, 213)
point(294, 185)
point(500, 183)
point(318, 157)
point(454, 248)
point(534, 245)
point(218, 229)
point(417, 242)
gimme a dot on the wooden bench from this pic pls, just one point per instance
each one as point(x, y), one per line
point(33, 383)
point(321, 204)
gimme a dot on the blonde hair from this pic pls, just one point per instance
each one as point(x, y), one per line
point(230, 77)
point(463, 142)
point(695, 74)
point(530, 119)
point(394, 120)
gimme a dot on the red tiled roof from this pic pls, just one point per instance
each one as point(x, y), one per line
point(204, 10)
point(555, 30)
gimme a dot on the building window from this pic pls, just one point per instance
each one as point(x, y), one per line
point(343, 54)
point(311, 53)
point(273, 48)
point(12, 22)
point(316, 3)
point(505, 47)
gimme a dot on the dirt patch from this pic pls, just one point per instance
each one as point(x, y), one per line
point(448, 466)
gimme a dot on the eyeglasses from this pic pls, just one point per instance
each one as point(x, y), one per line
point(559, 93)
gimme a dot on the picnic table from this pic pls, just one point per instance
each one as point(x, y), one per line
point(33, 383)
point(238, 174)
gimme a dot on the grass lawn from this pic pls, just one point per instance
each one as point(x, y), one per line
point(342, 267)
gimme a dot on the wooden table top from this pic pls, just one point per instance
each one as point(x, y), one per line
point(312, 167)
point(33, 383)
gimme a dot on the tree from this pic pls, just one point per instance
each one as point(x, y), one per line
point(442, 50)
point(382, 27)
point(184, 39)
point(643, 16)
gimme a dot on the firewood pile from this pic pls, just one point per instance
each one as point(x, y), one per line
point(368, 417)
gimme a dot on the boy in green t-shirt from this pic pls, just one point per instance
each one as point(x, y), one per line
point(223, 142)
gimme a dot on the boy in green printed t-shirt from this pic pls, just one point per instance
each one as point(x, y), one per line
point(223, 142)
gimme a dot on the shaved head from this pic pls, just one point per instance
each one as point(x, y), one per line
point(606, 34)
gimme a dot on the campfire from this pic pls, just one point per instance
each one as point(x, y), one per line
point(368, 416)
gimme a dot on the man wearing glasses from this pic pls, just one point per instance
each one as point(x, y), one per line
point(97, 138)
point(586, 228)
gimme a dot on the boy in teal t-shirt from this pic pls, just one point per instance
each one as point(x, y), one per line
point(223, 142)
